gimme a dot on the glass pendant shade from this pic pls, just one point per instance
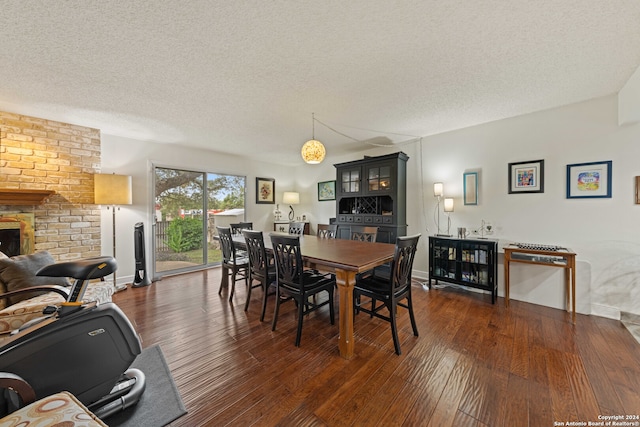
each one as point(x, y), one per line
point(313, 152)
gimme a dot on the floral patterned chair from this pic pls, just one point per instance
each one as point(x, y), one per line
point(60, 409)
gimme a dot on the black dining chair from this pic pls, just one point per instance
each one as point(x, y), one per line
point(231, 260)
point(364, 233)
point(236, 229)
point(327, 231)
point(390, 291)
point(297, 284)
point(261, 268)
point(296, 228)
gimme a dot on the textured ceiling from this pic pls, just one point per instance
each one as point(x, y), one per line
point(244, 77)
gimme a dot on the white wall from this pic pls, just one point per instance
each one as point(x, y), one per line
point(603, 232)
point(629, 100)
point(135, 158)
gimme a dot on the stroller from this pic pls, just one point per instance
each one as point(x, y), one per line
point(86, 349)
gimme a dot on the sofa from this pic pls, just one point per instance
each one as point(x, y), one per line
point(18, 272)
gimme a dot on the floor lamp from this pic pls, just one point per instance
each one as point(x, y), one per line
point(113, 190)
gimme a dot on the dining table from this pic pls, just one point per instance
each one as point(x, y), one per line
point(345, 258)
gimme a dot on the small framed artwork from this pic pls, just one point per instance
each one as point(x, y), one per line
point(265, 190)
point(470, 188)
point(326, 190)
point(637, 190)
point(589, 180)
point(526, 177)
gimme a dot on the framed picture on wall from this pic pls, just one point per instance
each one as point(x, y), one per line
point(470, 181)
point(589, 180)
point(326, 190)
point(526, 177)
point(265, 190)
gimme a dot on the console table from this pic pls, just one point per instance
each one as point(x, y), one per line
point(549, 256)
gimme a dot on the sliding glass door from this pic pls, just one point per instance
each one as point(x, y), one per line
point(188, 206)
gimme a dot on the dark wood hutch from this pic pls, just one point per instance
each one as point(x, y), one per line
point(373, 192)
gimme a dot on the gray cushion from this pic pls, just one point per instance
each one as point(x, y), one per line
point(19, 272)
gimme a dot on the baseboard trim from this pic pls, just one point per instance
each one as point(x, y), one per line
point(630, 317)
point(605, 311)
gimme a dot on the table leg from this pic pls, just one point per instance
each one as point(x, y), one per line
point(506, 279)
point(346, 280)
point(573, 286)
point(567, 286)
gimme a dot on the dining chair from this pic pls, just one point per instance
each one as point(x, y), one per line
point(232, 261)
point(236, 229)
point(327, 231)
point(390, 291)
point(295, 283)
point(261, 268)
point(364, 234)
point(296, 228)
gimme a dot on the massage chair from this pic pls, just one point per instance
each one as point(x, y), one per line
point(86, 349)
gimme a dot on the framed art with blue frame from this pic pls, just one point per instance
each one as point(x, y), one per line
point(470, 188)
point(589, 180)
point(526, 177)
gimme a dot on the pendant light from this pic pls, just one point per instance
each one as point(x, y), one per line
point(313, 151)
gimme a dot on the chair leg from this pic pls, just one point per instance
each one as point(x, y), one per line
point(394, 329)
point(413, 319)
point(246, 304)
point(233, 285)
point(222, 281)
point(373, 307)
point(275, 312)
point(331, 309)
point(300, 316)
point(265, 292)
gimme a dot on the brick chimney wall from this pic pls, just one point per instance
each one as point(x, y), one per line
point(43, 154)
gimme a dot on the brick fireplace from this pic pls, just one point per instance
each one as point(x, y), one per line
point(41, 154)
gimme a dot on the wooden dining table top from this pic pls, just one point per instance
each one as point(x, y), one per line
point(350, 255)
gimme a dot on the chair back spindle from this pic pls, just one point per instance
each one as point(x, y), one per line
point(296, 228)
point(327, 231)
point(364, 234)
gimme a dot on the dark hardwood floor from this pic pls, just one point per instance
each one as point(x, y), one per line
point(474, 363)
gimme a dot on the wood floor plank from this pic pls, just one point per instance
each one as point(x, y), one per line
point(447, 407)
point(517, 408)
point(474, 363)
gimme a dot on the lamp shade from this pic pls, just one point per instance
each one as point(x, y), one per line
point(313, 152)
point(448, 205)
point(111, 189)
point(291, 198)
point(438, 189)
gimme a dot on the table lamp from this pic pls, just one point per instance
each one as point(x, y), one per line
point(291, 198)
point(448, 208)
